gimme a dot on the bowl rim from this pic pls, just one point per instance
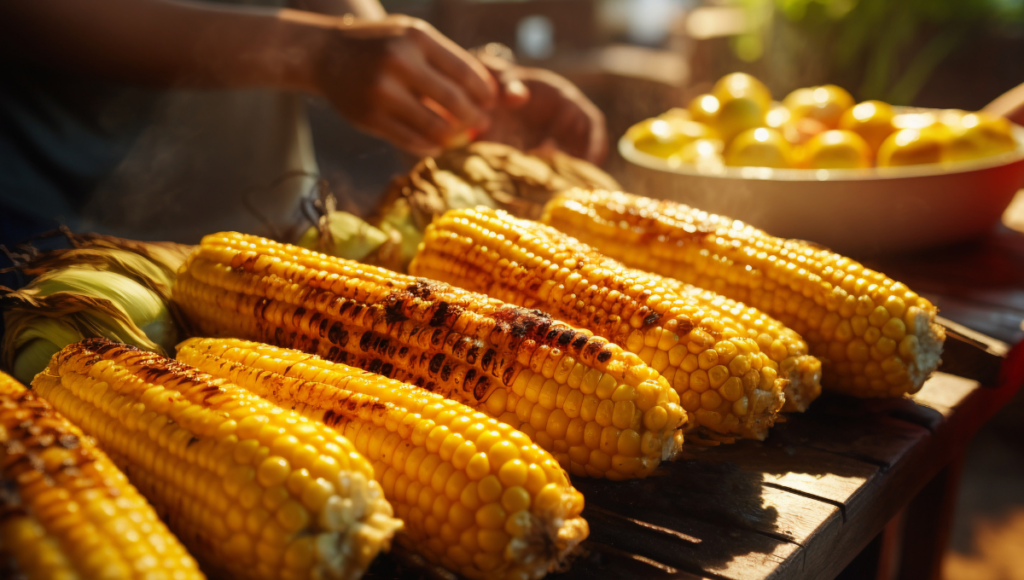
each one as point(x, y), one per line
point(634, 156)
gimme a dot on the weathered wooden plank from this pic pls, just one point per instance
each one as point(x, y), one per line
point(819, 474)
point(601, 561)
point(944, 392)
point(690, 545)
point(876, 439)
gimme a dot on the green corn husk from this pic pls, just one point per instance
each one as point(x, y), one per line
point(102, 287)
point(347, 237)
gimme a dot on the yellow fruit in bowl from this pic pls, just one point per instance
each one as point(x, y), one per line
point(742, 86)
point(705, 154)
point(872, 120)
point(704, 109)
point(777, 116)
point(825, 104)
point(920, 120)
point(760, 147)
point(665, 137)
point(979, 135)
point(911, 147)
point(836, 149)
point(738, 115)
point(677, 113)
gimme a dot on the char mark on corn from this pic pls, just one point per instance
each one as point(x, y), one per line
point(253, 490)
point(66, 511)
point(874, 335)
point(724, 380)
point(476, 496)
point(565, 388)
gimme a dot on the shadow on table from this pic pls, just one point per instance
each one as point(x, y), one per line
point(685, 518)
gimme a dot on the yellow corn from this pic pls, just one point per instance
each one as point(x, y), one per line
point(66, 511)
point(476, 496)
point(723, 379)
point(784, 346)
point(577, 396)
point(874, 336)
point(253, 490)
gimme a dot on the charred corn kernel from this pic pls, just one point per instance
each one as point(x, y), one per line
point(512, 259)
point(464, 346)
point(810, 290)
point(67, 511)
point(164, 421)
point(452, 493)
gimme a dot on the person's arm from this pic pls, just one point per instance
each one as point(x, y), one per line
point(375, 73)
point(536, 107)
point(362, 9)
point(160, 43)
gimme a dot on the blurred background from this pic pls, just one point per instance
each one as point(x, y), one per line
point(638, 58)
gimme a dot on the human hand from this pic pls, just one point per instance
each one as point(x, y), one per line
point(537, 107)
point(403, 81)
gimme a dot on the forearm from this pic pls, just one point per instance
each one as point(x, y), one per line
point(164, 43)
point(362, 9)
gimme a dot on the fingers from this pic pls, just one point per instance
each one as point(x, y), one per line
point(400, 103)
point(427, 81)
point(458, 65)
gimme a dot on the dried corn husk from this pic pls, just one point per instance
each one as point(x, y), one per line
point(489, 174)
point(101, 287)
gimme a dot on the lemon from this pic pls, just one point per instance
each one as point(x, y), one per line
point(705, 154)
point(836, 149)
point(911, 147)
point(665, 137)
point(677, 113)
point(979, 135)
point(917, 121)
point(742, 86)
point(777, 116)
point(760, 147)
point(739, 115)
point(872, 120)
point(825, 103)
point(704, 109)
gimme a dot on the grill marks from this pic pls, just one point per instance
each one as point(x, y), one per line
point(421, 332)
point(29, 434)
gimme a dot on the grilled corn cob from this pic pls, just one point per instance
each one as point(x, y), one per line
point(65, 509)
point(722, 377)
point(784, 346)
point(598, 409)
point(253, 490)
point(476, 496)
point(874, 336)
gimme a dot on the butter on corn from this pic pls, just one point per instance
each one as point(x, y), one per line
point(253, 490)
point(476, 496)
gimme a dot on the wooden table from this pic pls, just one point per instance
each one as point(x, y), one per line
point(852, 488)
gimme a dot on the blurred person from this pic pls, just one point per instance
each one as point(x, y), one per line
point(166, 119)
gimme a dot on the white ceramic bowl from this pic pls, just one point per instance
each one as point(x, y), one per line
point(852, 211)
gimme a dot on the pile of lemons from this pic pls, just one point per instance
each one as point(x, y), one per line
point(738, 124)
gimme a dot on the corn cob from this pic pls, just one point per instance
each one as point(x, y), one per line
point(65, 509)
point(253, 490)
point(784, 346)
point(599, 410)
point(722, 377)
point(874, 336)
point(476, 496)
